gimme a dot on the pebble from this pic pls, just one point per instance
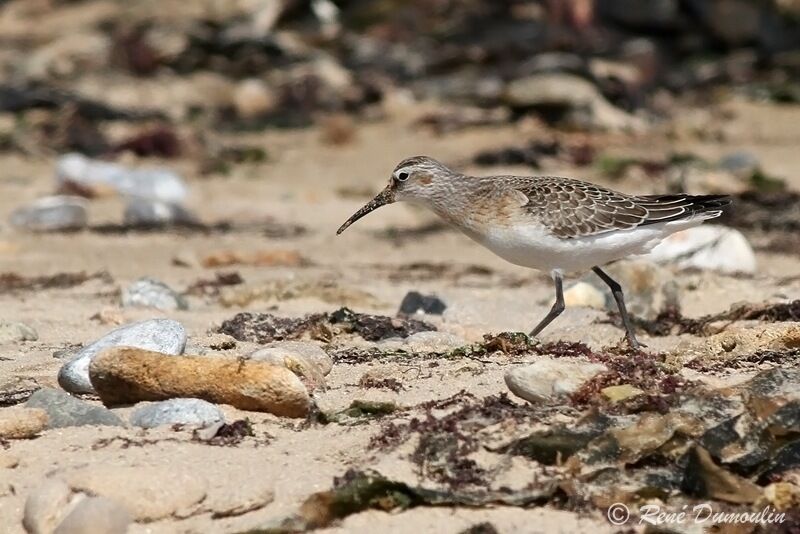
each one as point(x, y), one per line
point(648, 287)
point(307, 368)
point(194, 412)
point(433, 342)
point(45, 506)
point(416, 302)
point(239, 499)
point(95, 515)
point(51, 214)
point(621, 392)
point(149, 493)
point(125, 375)
point(712, 247)
point(548, 380)
point(162, 335)
point(150, 293)
point(150, 212)
point(64, 410)
point(21, 423)
point(573, 92)
point(98, 178)
point(584, 294)
point(311, 353)
point(736, 342)
point(741, 164)
point(252, 98)
point(14, 332)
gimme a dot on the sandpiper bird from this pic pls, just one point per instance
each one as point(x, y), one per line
point(556, 225)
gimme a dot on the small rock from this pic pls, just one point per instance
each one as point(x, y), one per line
point(433, 342)
point(144, 212)
point(149, 493)
point(620, 392)
point(162, 335)
point(125, 375)
point(21, 423)
point(239, 499)
point(550, 379)
point(194, 412)
point(416, 302)
point(51, 214)
point(586, 295)
point(741, 164)
point(64, 410)
point(76, 172)
point(736, 342)
point(14, 332)
point(311, 353)
point(95, 515)
point(252, 99)
point(45, 506)
point(7, 460)
point(783, 496)
point(308, 369)
point(149, 293)
point(584, 101)
point(717, 248)
point(648, 287)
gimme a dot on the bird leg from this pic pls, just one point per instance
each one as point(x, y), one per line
point(555, 311)
point(616, 291)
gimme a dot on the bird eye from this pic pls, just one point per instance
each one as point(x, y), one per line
point(402, 176)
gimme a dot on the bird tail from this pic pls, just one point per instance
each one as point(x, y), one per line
point(669, 208)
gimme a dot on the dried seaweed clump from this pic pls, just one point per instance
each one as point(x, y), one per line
point(647, 372)
point(670, 321)
point(11, 282)
point(444, 442)
point(265, 327)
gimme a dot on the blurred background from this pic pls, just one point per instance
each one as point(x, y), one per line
point(193, 159)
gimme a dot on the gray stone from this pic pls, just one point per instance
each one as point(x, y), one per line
point(741, 164)
point(149, 293)
point(195, 412)
point(550, 380)
point(99, 177)
point(277, 352)
point(64, 410)
point(51, 214)
point(160, 335)
point(45, 506)
point(13, 332)
point(149, 212)
point(95, 515)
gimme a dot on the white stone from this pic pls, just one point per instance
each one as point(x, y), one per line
point(51, 214)
point(550, 379)
point(45, 506)
point(100, 177)
point(713, 247)
point(95, 515)
point(586, 295)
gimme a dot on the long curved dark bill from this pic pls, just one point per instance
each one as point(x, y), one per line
point(384, 197)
